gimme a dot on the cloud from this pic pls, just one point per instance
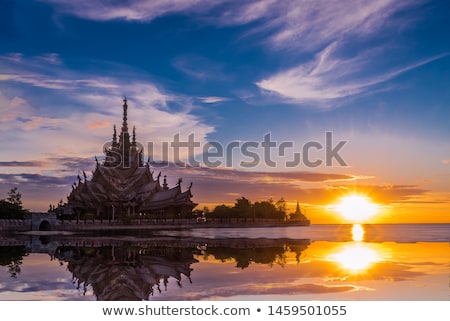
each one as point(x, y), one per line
point(95, 124)
point(129, 10)
point(329, 77)
point(84, 101)
point(221, 174)
point(213, 99)
point(39, 180)
point(305, 26)
point(21, 164)
point(221, 185)
point(311, 24)
point(304, 23)
point(52, 58)
point(273, 289)
point(71, 165)
point(13, 57)
point(199, 67)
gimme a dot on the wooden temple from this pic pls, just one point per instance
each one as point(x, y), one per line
point(123, 185)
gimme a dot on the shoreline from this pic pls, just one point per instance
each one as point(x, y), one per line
point(22, 226)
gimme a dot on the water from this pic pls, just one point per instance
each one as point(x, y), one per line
point(320, 262)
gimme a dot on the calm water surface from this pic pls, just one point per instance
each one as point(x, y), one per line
point(320, 262)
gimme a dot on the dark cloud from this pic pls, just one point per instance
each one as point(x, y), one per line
point(228, 173)
point(271, 289)
point(223, 184)
point(218, 185)
point(22, 164)
point(73, 164)
point(36, 179)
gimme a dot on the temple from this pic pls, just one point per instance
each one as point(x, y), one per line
point(122, 186)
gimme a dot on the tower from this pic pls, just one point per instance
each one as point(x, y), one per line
point(122, 152)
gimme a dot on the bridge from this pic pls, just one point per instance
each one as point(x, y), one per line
point(37, 222)
point(43, 221)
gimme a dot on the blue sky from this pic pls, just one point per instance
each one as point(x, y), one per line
point(376, 74)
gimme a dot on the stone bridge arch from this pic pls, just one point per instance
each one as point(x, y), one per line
point(43, 221)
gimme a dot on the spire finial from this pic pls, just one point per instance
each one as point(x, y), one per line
point(114, 135)
point(165, 187)
point(125, 109)
point(134, 136)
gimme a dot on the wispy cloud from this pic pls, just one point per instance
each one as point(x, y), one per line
point(303, 26)
point(299, 23)
point(213, 99)
point(145, 10)
point(329, 77)
point(52, 58)
point(199, 67)
point(310, 24)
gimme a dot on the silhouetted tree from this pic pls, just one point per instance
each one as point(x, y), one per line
point(281, 207)
point(244, 209)
point(221, 212)
point(11, 207)
point(11, 256)
point(14, 197)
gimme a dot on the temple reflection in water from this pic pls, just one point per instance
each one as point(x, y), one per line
point(126, 272)
point(339, 263)
point(138, 270)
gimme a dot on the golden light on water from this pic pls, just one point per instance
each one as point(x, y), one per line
point(357, 233)
point(356, 208)
point(356, 257)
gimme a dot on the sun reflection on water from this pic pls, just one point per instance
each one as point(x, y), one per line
point(356, 257)
point(358, 233)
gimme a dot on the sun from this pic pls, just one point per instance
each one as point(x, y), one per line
point(356, 208)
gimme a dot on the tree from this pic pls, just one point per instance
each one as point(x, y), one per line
point(11, 207)
point(220, 212)
point(281, 207)
point(14, 197)
point(243, 208)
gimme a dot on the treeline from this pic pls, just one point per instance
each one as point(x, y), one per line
point(11, 207)
point(246, 210)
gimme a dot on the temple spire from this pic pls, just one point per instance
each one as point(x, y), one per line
point(124, 123)
point(297, 210)
point(114, 142)
point(124, 143)
point(134, 136)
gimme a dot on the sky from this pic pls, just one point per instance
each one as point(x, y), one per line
point(309, 100)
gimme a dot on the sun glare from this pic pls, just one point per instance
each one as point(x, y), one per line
point(356, 208)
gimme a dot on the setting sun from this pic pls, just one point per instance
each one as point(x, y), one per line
point(356, 208)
